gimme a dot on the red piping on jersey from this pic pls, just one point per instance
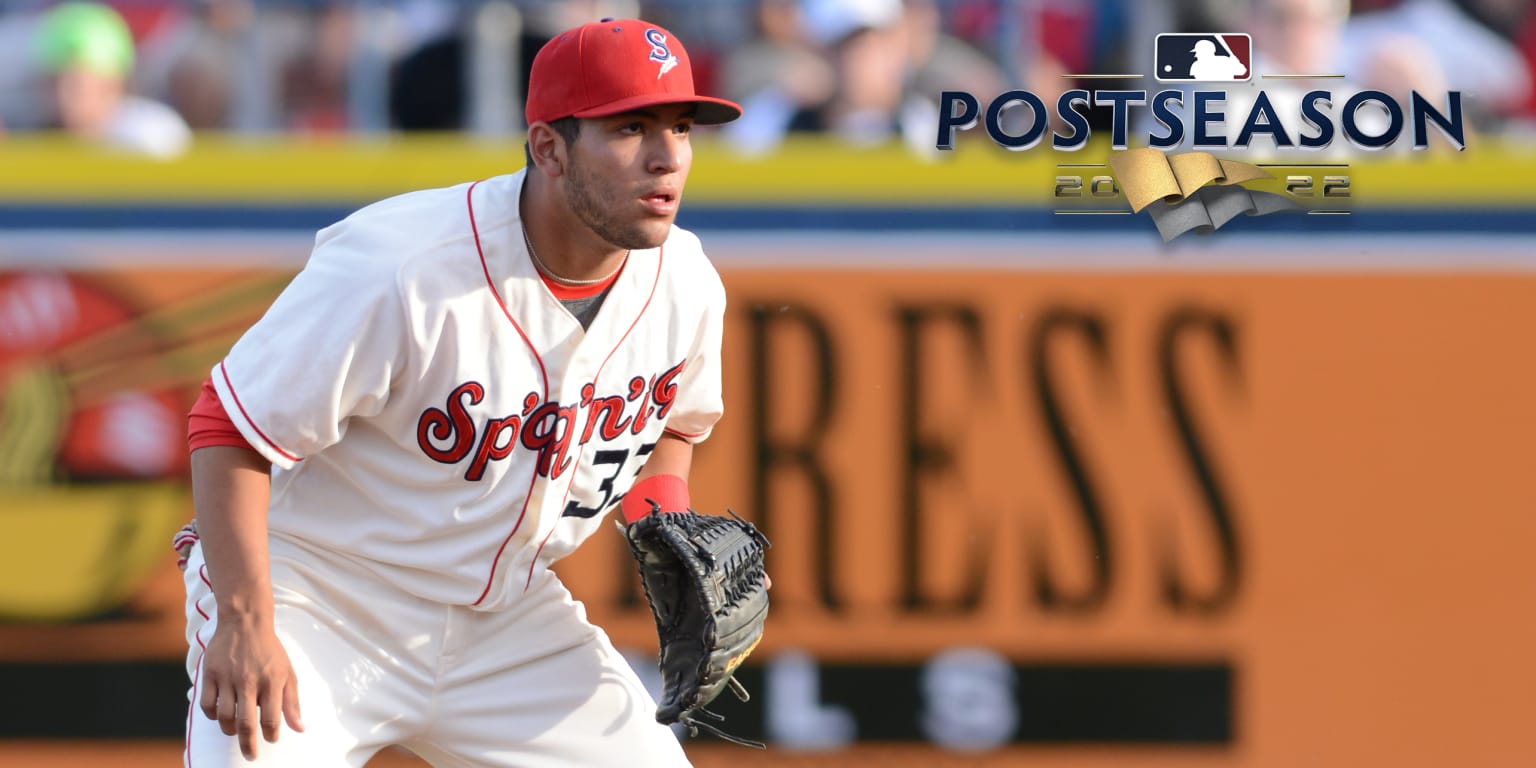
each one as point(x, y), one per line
point(469, 201)
point(259, 433)
point(197, 678)
point(552, 529)
point(660, 256)
point(688, 435)
point(197, 672)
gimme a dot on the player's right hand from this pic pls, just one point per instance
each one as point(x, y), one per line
point(248, 682)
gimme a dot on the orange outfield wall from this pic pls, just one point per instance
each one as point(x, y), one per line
point(1358, 550)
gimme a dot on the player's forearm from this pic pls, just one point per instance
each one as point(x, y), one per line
point(230, 489)
point(671, 456)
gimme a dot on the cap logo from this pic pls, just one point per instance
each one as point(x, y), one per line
point(660, 53)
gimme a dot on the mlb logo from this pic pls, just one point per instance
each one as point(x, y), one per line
point(1221, 56)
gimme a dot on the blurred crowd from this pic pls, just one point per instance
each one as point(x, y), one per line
point(149, 75)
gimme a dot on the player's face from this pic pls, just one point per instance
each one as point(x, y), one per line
point(625, 174)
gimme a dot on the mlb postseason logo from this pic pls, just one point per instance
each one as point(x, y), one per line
point(1197, 190)
point(1222, 56)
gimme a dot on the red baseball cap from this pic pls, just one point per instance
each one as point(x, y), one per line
point(613, 66)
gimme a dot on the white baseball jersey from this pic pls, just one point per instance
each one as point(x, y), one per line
point(433, 411)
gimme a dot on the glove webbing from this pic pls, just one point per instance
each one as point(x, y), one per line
point(742, 577)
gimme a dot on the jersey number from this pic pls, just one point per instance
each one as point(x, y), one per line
point(617, 457)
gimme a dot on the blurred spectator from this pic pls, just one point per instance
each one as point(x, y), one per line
point(867, 71)
point(20, 85)
point(192, 60)
point(1307, 37)
point(939, 61)
point(1515, 22)
point(1471, 58)
point(1299, 37)
point(427, 88)
point(253, 66)
point(86, 54)
point(1523, 28)
point(1209, 16)
point(864, 39)
point(1039, 43)
point(429, 85)
point(781, 79)
point(312, 71)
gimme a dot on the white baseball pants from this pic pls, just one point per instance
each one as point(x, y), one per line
point(533, 686)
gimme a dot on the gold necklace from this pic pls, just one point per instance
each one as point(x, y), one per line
point(537, 262)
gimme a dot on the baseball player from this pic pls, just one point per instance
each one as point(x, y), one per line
point(452, 394)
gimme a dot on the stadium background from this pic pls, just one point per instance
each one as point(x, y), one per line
point(1045, 491)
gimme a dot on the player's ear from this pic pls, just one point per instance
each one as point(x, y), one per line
point(546, 149)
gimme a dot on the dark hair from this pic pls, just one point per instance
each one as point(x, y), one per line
point(568, 128)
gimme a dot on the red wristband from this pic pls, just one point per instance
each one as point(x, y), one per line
point(670, 492)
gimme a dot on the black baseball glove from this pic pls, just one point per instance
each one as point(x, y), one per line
point(704, 580)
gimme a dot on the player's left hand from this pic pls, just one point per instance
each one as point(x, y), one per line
point(707, 588)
